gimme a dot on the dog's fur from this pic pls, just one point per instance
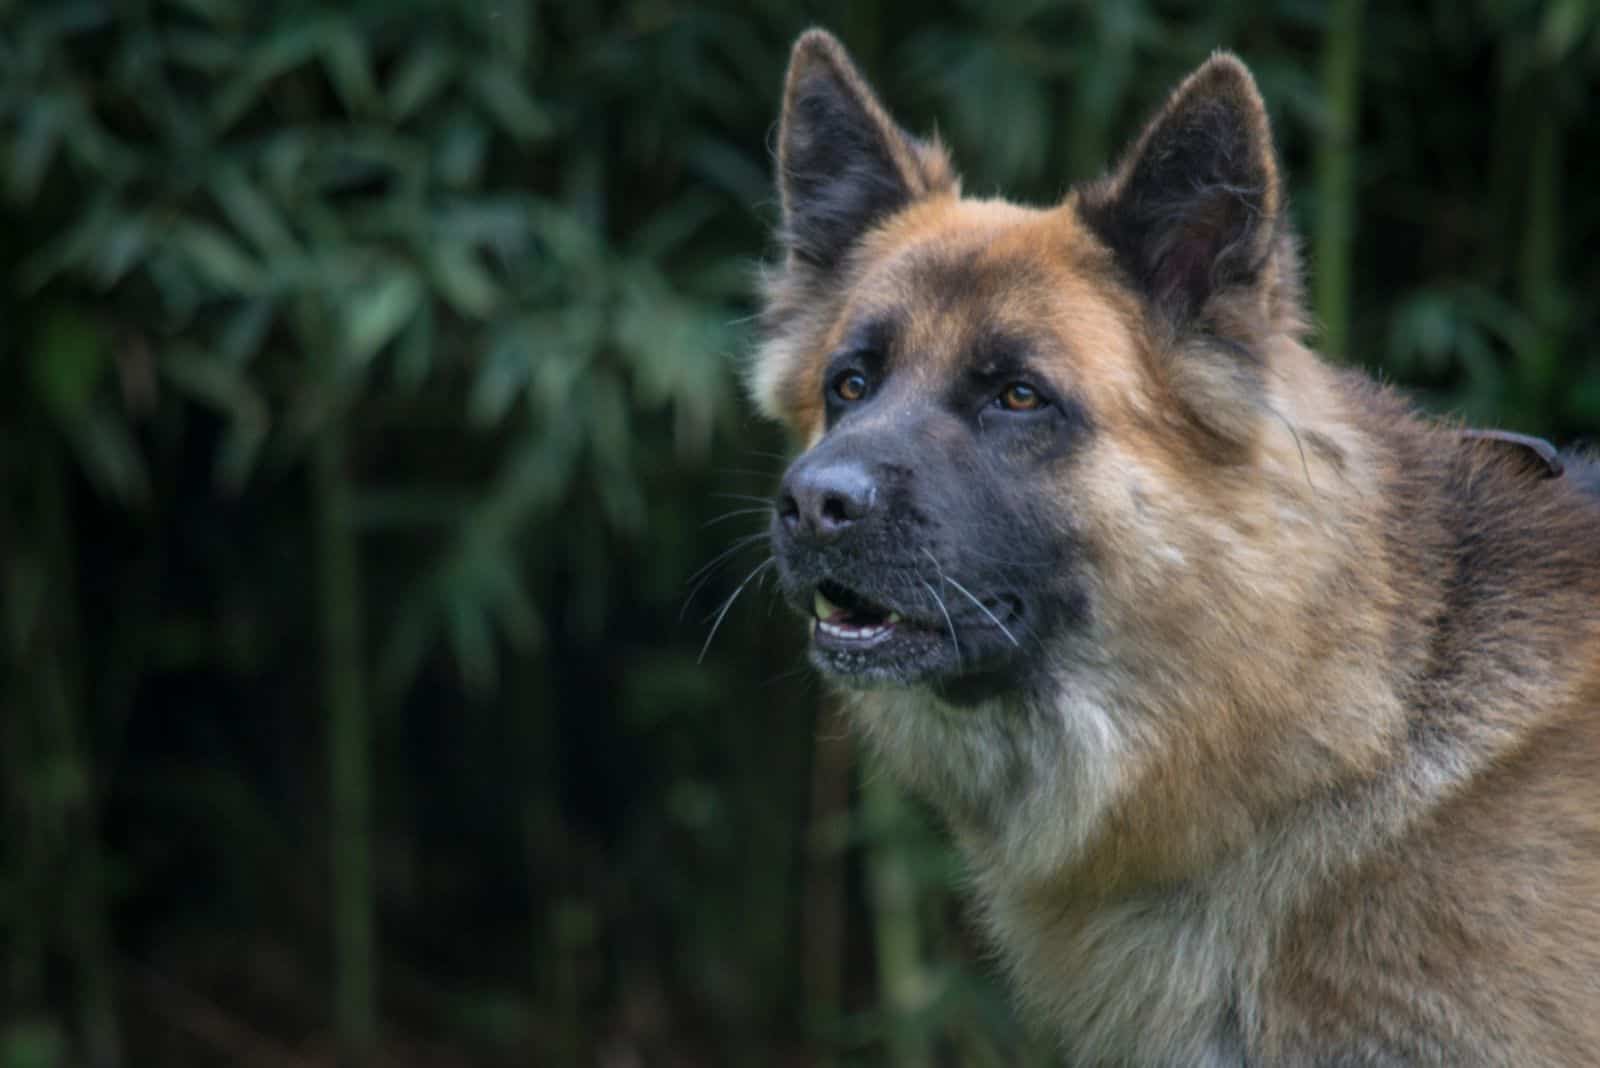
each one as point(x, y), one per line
point(1266, 711)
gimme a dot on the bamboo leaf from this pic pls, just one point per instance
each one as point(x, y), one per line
point(509, 25)
point(378, 312)
point(729, 169)
point(463, 280)
point(414, 360)
point(471, 641)
point(70, 356)
point(217, 258)
point(204, 52)
point(251, 213)
point(109, 457)
point(291, 46)
point(502, 378)
point(124, 245)
point(1563, 27)
point(34, 147)
point(222, 387)
point(501, 91)
point(349, 65)
point(421, 77)
point(216, 12)
point(75, 246)
point(459, 156)
point(507, 597)
point(245, 331)
point(414, 631)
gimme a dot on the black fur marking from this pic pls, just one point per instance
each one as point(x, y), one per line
point(866, 349)
point(868, 342)
point(995, 359)
point(840, 177)
point(1188, 219)
point(949, 282)
point(962, 545)
point(1328, 452)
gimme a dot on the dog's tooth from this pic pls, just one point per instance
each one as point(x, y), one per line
point(824, 608)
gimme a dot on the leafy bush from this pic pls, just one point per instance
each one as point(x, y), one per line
point(371, 397)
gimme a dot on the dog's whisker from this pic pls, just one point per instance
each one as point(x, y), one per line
point(1006, 562)
point(969, 596)
point(732, 597)
point(706, 573)
point(984, 609)
point(948, 622)
point(748, 498)
point(735, 514)
point(742, 542)
point(756, 471)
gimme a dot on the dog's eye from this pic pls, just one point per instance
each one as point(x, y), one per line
point(850, 386)
point(1020, 397)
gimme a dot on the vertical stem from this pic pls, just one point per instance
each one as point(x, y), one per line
point(27, 839)
point(822, 968)
point(1101, 86)
point(61, 881)
point(1541, 250)
point(902, 979)
point(81, 865)
point(350, 788)
point(1341, 83)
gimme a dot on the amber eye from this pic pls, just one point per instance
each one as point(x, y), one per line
point(850, 386)
point(1019, 397)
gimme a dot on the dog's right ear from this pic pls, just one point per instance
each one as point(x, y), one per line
point(1194, 210)
point(843, 164)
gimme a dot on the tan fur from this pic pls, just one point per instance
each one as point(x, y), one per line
point(1321, 782)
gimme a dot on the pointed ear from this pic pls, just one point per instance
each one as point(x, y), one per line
point(1193, 209)
point(843, 164)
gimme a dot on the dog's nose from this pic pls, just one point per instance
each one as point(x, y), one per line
point(821, 500)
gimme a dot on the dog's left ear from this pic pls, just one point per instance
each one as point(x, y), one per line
point(1192, 212)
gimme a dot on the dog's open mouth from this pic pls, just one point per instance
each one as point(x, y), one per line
point(864, 642)
point(847, 620)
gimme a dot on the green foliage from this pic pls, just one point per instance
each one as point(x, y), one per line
point(494, 263)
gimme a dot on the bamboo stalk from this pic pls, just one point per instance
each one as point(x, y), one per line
point(823, 964)
point(1103, 82)
point(27, 833)
point(1541, 242)
point(350, 770)
point(902, 976)
point(1341, 84)
point(72, 814)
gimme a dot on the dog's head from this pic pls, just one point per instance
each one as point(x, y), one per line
point(1017, 423)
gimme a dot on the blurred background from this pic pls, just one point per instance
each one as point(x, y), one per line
point(373, 466)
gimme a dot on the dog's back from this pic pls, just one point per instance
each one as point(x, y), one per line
point(1469, 933)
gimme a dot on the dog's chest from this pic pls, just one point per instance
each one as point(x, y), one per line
point(1150, 981)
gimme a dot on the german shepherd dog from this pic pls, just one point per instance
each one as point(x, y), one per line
point(1265, 710)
